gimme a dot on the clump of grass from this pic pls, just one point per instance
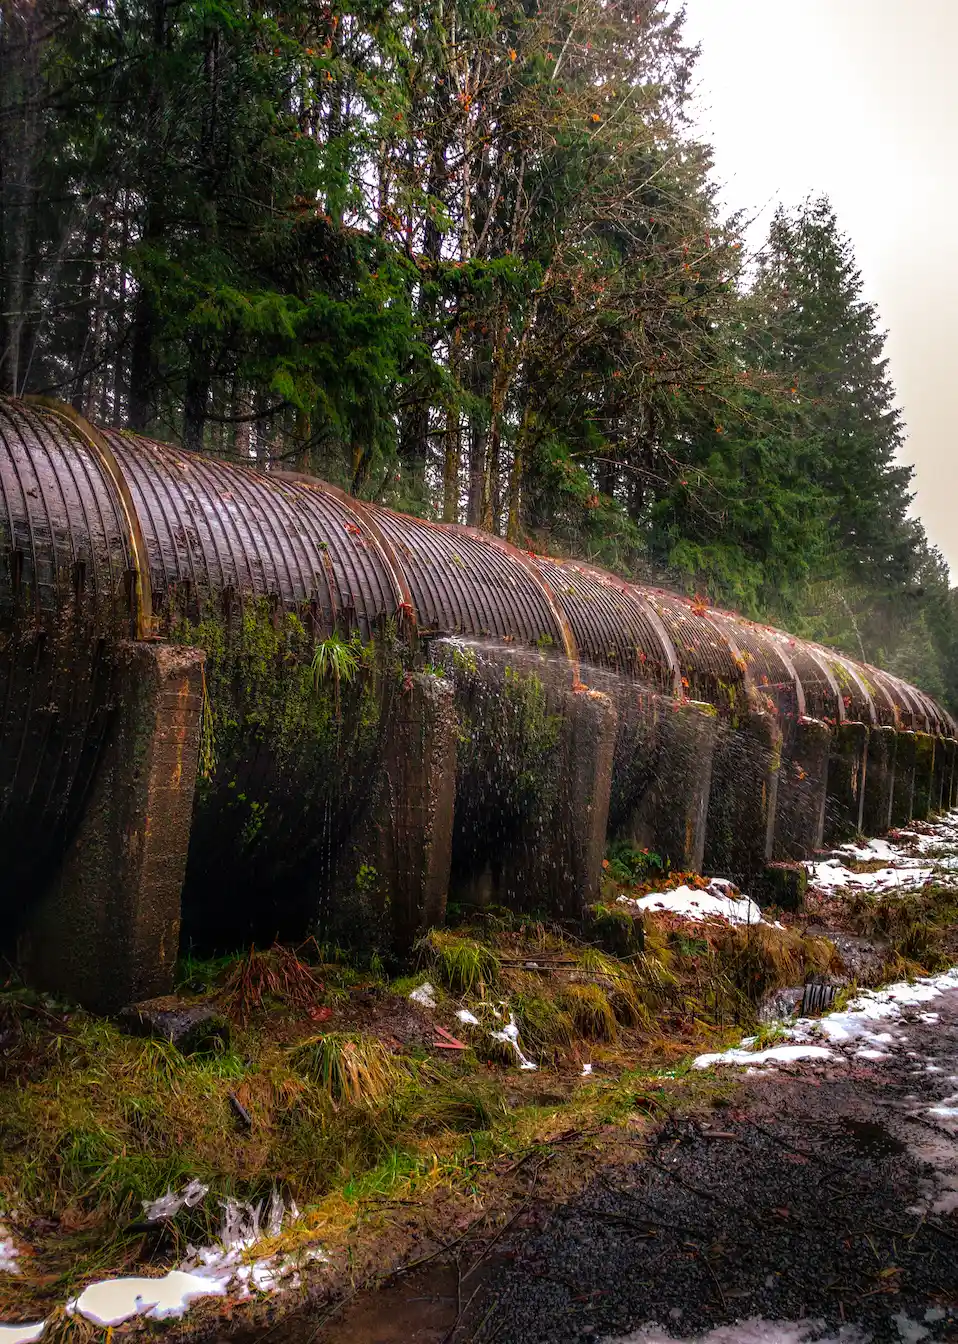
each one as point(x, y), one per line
point(757, 958)
point(279, 975)
point(442, 1101)
point(545, 1028)
point(768, 1034)
point(916, 924)
point(626, 994)
point(351, 1069)
point(462, 965)
point(591, 1012)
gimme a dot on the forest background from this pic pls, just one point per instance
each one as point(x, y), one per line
point(465, 258)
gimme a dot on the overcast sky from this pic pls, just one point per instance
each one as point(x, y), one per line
point(857, 99)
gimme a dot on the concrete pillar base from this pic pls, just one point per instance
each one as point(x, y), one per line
point(879, 780)
point(952, 782)
point(924, 776)
point(781, 884)
point(944, 766)
point(533, 811)
point(555, 863)
point(802, 784)
point(582, 812)
point(106, 934)
point(904, 785)
point(671, 819)
point(397, 869)
point(743, 798)
point(846, 782)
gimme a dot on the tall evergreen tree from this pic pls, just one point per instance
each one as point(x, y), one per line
point(821, 333)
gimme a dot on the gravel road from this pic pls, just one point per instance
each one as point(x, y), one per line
point(820, 1206)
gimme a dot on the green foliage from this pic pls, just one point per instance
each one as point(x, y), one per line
point(630, 865)
point(336, 660)
point(267, 685)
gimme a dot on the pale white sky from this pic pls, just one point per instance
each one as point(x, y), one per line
point(857, 99)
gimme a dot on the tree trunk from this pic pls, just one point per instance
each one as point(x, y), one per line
point(144, 365)
point(196, 396)
point(20, 39)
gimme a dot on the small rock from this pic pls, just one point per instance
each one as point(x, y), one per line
point(194, 1028)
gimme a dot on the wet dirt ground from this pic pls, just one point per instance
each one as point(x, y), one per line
point(819, 1202)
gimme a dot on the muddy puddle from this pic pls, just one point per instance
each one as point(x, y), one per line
point(871, 1139)
point(442, 1303)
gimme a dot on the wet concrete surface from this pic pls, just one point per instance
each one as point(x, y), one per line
point(823, 1195)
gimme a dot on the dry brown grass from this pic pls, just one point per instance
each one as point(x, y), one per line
point(278, 975)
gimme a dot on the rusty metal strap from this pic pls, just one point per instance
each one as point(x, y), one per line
point(105, 457)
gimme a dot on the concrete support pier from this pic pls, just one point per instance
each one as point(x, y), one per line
point(802, 784)
point(742, 804)
point(535, 780)
point(904, 788)
point(672, 817)
point(924, 776)
point(106, 933)
point(879, 780)
point(944, 766)
point(581, 816)
point(410, 839)
point(553, 861)
point(846, 782)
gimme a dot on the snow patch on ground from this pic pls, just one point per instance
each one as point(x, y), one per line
point(208, 1271)
point(9, 1263)
point(510, 1035)
point(913, 858)
point(872, 851)
point(720, 900)
point(113, 1301)
point(424, 995)
point(832, 875)
point(853, 1026)
point(21, 1334)
point(776, 1054)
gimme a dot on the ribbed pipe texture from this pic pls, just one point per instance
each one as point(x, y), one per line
point(105, 536)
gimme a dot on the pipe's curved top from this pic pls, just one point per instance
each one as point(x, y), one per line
point(106, 535)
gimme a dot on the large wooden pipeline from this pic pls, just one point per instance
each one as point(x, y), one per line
point(125, 562)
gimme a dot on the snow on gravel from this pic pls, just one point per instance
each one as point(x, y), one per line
point(775, 1054)
point(913, 858)
point(758, 1331)
point(831, 874)
point(848, 1032)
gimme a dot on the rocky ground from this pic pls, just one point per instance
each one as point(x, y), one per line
point(819, 1205)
